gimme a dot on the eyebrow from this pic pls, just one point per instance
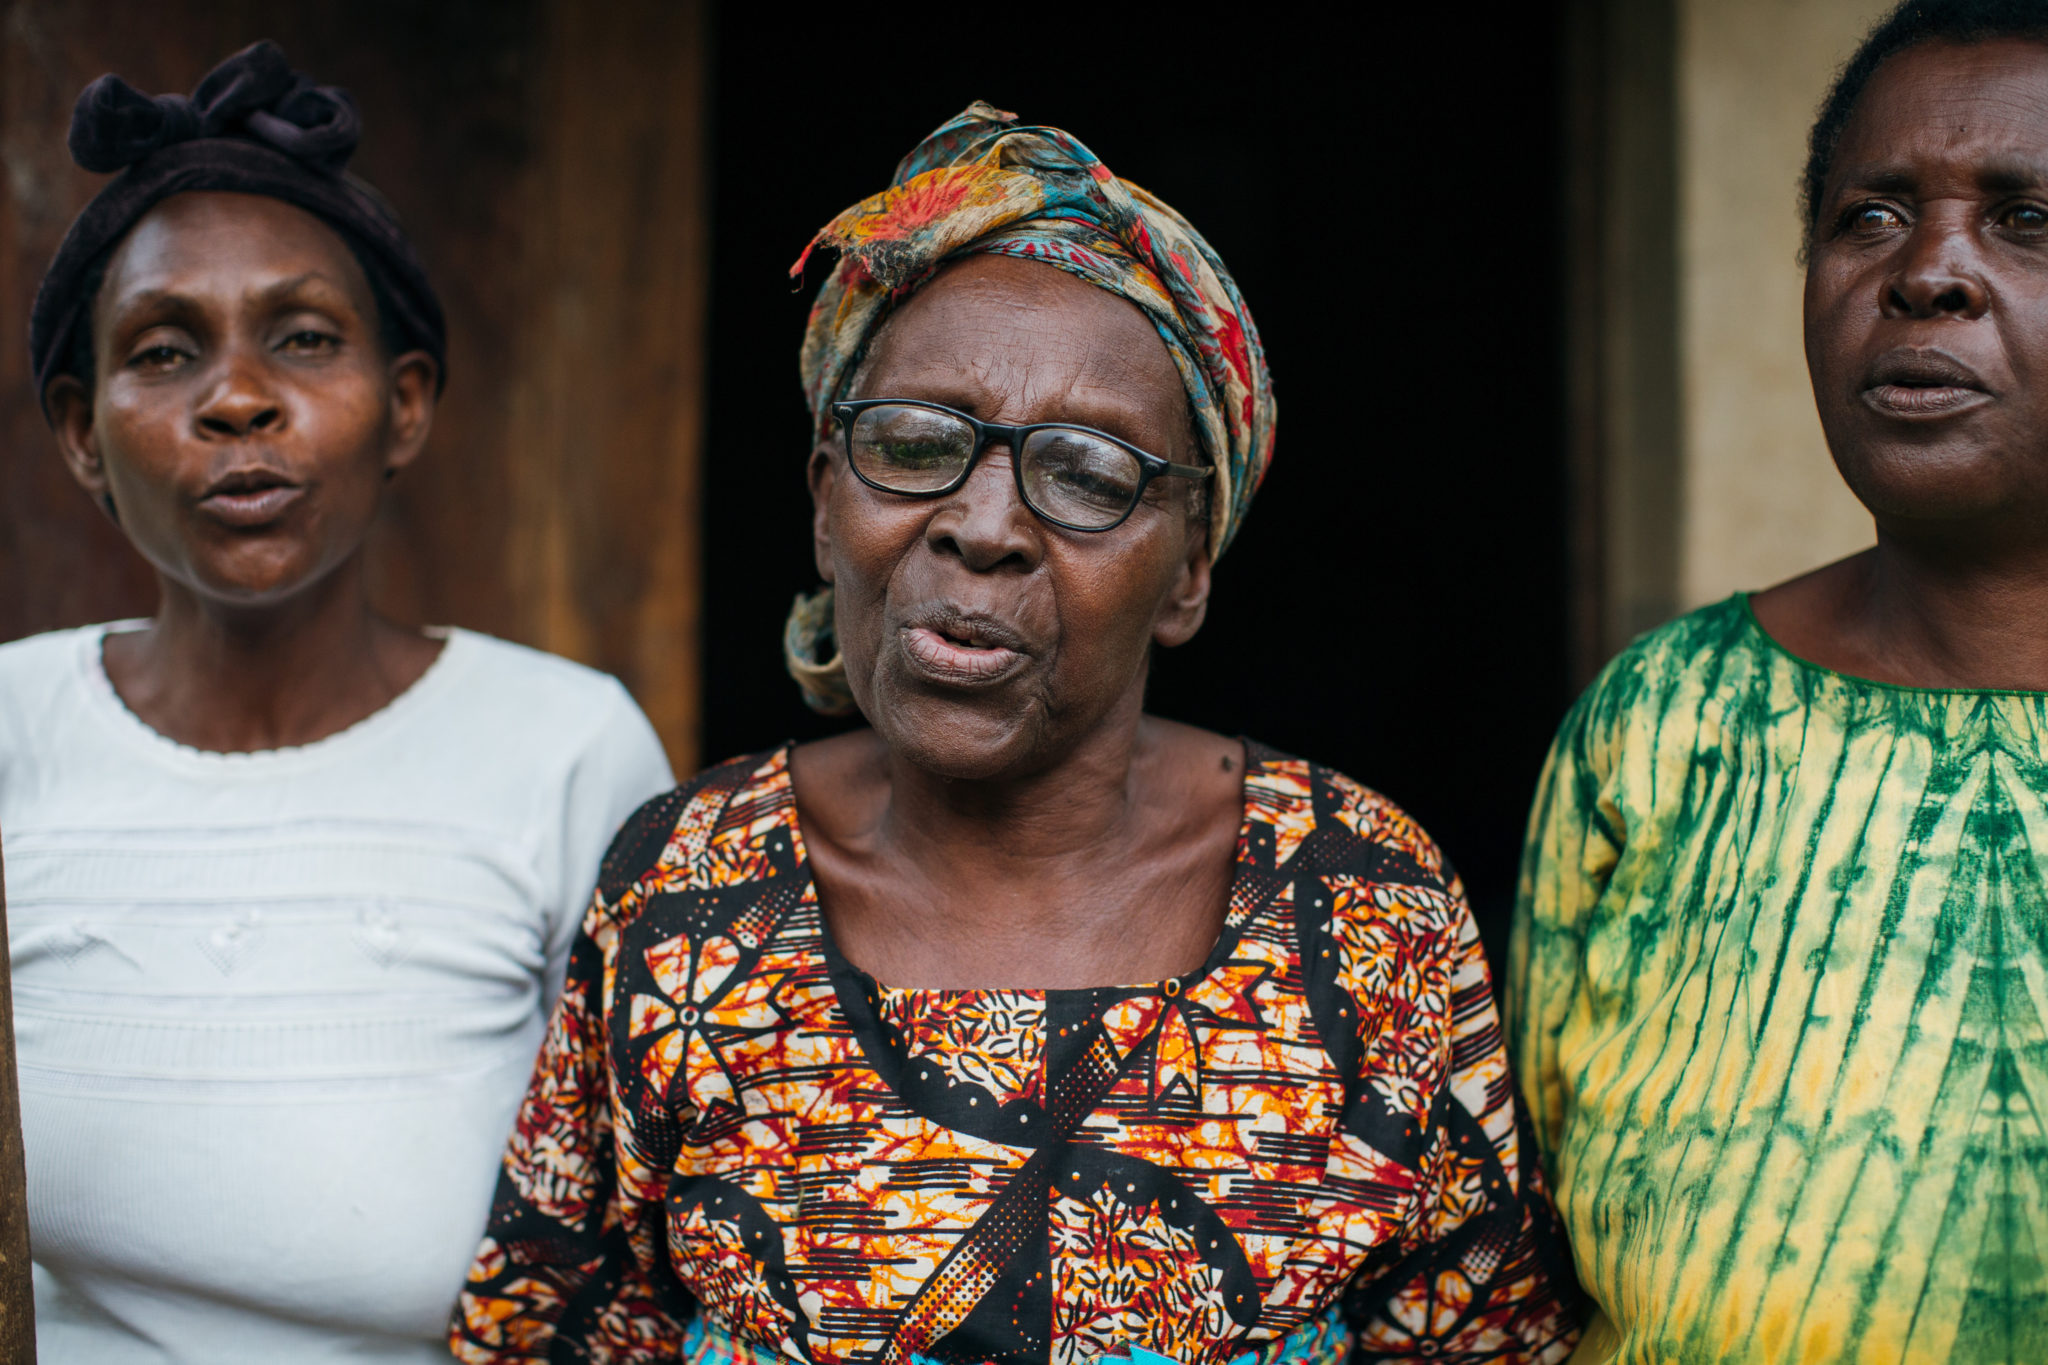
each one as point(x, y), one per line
point(2004, 175)
point(1883, 179)
point(2007, 175)
point(284, 288)
point(176, 298)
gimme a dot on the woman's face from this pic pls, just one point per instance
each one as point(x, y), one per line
point(244, 412)
point(979, 640)
point(1927, 291)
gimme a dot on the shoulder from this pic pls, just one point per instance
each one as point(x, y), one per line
point(1657, 662)
point(1665, 682)
point(498, 668)
point(40, 678)
point(1384, 931)
point(676, 834)
point(1357, 831)
point(550, 704)
point(49, 659)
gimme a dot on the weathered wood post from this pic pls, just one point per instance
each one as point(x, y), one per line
point(17, 1293)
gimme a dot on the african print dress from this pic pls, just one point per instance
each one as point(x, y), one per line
point(739, 1147)
point(1780, 988)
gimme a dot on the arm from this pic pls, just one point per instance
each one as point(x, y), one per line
point(1483, 1275)
point(573, 1252)
point(620, 766)
point(1575, 839)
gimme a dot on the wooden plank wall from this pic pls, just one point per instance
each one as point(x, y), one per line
point(549, 158)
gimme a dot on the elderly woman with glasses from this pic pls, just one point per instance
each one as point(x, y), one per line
point(1021, 1026)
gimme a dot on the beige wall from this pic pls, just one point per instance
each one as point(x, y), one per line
point(1760, 499)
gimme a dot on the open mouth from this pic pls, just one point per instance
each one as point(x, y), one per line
point(250, 497)
point(1922, 383)
point(950, 647)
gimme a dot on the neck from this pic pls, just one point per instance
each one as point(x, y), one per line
point(1953, 612)
point(233, 678)
point(1038, 824)
point(1112, 864)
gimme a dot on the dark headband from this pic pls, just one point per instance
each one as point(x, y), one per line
point(253, 126)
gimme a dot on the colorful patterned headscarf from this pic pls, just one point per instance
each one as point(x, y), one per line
point(986, 184)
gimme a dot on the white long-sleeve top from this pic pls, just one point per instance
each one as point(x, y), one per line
point(275, 1011)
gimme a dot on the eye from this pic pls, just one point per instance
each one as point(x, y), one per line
point(307, 340)
point(161, 356)
point(1870, 218)
point(1080, 478)
point(2031, 219)
point(914, 454)
point(909, 449)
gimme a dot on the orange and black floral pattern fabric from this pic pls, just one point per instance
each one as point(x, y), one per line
point(729, 1119)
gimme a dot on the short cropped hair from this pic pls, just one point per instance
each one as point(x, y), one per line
point(1910, 24)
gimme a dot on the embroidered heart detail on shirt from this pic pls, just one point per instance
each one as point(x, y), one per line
point(227, 944)
point(379, 934)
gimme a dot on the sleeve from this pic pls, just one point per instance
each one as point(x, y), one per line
point(1575, 838)
point(1484, 1274)
point(618, 768)
point(574, 1254)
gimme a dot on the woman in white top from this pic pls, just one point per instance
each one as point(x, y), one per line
point(291, 886)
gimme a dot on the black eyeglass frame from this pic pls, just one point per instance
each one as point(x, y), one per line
point(986, 434)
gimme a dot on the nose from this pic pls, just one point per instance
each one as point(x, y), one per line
point(984, 523)
point(240, 403)
point(1938, 275)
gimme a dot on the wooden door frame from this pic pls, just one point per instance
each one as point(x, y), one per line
point(1623, 442)
point(17, 1287)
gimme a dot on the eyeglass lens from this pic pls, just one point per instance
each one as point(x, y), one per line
point(1069, 475)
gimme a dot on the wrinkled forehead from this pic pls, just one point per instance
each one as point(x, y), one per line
point(993, 331)
point(229, 245)
point(1977, 107)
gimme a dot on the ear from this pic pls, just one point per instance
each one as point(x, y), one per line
point(823, 476)
point(1187, 603)
point(71, 421)
point(413, 376)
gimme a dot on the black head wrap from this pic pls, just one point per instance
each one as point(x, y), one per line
point(253, 126)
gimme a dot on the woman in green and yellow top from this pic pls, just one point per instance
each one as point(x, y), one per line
point(1780, 973)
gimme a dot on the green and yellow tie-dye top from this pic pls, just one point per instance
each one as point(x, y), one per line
point(1778, 990)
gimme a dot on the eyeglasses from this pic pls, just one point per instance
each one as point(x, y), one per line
point(1076, 477)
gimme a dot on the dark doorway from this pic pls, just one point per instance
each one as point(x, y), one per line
point(1386, 187)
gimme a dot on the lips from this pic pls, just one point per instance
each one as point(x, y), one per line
point(1910, 383)
point(250, 498)
point(962, 649)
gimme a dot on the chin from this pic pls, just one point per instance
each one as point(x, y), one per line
point(254, 581)
point(978, 739)
point(1968, 467)
point(1931, 485)
point(963, 747)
